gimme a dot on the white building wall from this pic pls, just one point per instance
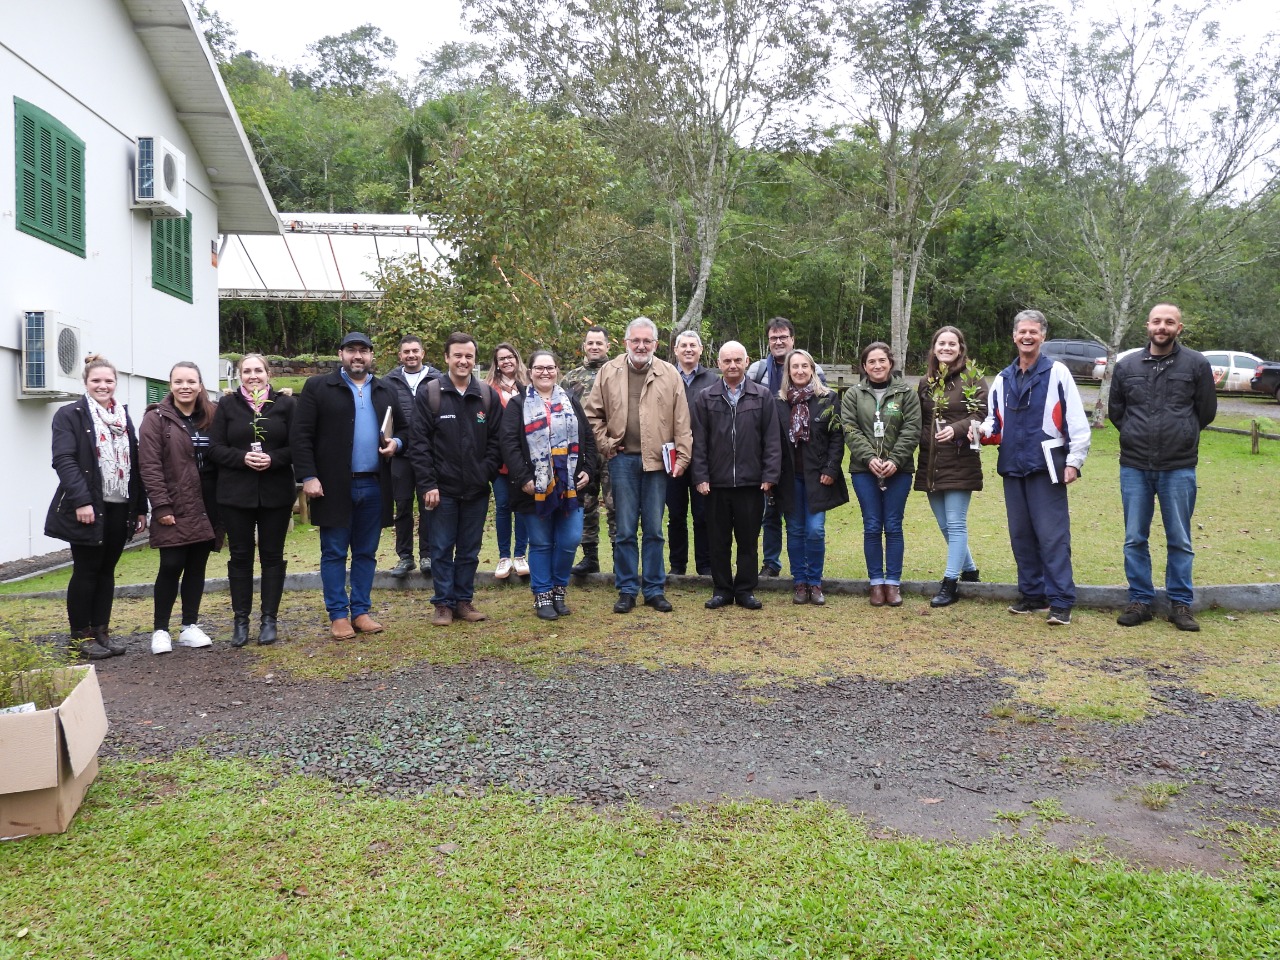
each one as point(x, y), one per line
point(81, 62)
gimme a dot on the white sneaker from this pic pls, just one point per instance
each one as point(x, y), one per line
point(522, 567)
point(161, 642)
point(193, 636)
point(504, 569)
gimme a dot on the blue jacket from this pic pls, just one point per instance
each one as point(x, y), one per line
point(1046, 406)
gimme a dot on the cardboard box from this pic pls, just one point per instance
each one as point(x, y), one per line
point(48, 758)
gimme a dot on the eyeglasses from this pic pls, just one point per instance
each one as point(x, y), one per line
point(642, 343)
point(781, 338)
point(543, 369)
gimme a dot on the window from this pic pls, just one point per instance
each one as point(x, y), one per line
point(171, 256)
point(157, 390)
point(50, 166)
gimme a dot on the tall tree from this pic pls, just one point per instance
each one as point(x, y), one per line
point(920, 82)
point(688, 87)
point(1157, 139)
point(354, 62)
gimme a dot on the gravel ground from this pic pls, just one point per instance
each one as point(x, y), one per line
point(924, 757)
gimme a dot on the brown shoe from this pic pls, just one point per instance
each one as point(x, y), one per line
point(877, 595)
point(816, 596)
point(340, 629)
point(443, 615)
point(801, 594)
point(366, 624)
point(469, 613)
point(893, 594)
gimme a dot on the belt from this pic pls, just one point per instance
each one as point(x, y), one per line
point(367, 474)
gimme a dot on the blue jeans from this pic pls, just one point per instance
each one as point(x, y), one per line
point(806, 538)
point(457, 530)
point(1040, 537)
point(1177, 492)
point(361, 538)
point(639, 496)
point(772, 527)
point(882, 541)
point(951, 510)
point(503, 516)
point(553, 542)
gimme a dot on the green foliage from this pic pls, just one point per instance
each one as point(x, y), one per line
point(417, 301)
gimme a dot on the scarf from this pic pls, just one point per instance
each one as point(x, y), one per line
point(111, 433)
point(256, 405)
point(798, 397)
point(551, 432)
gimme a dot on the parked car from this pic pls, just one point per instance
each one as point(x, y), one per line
point(1232, 369)
point(1100, 365)
point(1079, 356)
point(1266, 378)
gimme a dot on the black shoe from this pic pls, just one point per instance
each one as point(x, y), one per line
point(626, 603)
point(403, 568)
point(769, 570)
point(240, 631)
point(1059, 617)
point(268, 632)
point(676, 572)
point(590, 562)
point(970, 576)
point(91, 649)
point(1180, 617)
point(750, 601)
point(425, 567)
point(717, 601)
point(113, 644)
point(544, 606)
point(704, 571)
point(1026, 605)
point(948, 593)
point(659, 603)
point(1135, 613)
point(557, 601)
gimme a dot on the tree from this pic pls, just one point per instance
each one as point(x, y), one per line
point(688, 87)
point(352, 62)
point(1155, 145)
point(919, 81)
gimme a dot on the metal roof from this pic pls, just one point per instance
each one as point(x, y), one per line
point(176, 45)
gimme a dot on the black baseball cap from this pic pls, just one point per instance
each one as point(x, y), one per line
point(356, 337)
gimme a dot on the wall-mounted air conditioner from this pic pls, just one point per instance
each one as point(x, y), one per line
point(160, 178)
point(52, 357)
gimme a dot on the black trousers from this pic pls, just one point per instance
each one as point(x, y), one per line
point(682, 500)
point(734, 513)
point(181, 568)
point(92, 587)
point(271, 524)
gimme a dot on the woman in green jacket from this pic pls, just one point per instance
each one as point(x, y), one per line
point(881, 417)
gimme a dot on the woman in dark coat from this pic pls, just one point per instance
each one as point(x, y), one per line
point(256, 491)
point(99, 505)
point(173, 448)
point(815, 446)
point(550, 452)
point(953, 400)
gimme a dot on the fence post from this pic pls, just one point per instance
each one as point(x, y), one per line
point(1253, 436)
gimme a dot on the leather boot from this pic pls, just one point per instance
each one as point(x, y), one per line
point(272, 591)
point(590, 562)
point(103, 635)
point(948, 593)
point(544, 606)
point(241, 589)
point(83, 642)
point(557, 601)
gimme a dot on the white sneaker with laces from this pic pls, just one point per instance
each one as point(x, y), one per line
point(504, 569)
point(193, 636)
point(522, 567)
point(161, 642)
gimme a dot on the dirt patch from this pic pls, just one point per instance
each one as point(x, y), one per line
point(941, 757)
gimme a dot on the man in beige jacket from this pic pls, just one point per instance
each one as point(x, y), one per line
point(637, 406)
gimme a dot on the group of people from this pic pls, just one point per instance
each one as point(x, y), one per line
point(741, 449)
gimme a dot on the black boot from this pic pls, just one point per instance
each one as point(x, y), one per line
point(241, 588)
point(103, 635)
point(970, 576)
point(590, 562)
point(544, 606)
point(557, 601)
point(272, 590)
point(948, 593)
point(87, 646)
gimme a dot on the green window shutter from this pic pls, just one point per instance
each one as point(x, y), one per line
point(157, 390)
point(171, 256)
point(50, 181)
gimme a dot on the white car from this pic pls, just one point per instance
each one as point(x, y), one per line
point(1232, 369)
point(1100, 365)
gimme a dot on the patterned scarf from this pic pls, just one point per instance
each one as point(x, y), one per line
point(551, 431)
point(798, 397)
point(111, 433)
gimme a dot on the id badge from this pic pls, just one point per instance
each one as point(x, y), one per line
point(879, 428)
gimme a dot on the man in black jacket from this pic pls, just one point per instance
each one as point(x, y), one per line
point(1161, 398)
point(456, 454)
point(737, 462)
point(343, 463)
point(405, 380)
point(681, 498)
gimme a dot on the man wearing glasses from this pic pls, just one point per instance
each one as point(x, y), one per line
point(636, 407)
point(767, 372)
point(343, 462)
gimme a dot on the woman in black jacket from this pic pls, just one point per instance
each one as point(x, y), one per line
point(550, 453)
point(815, 446)
point(256, 491)
point(99, 505)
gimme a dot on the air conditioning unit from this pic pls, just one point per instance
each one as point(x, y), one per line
point(52, 357)
point(160, 178)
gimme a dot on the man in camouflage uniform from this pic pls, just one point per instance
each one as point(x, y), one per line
point(579, 381)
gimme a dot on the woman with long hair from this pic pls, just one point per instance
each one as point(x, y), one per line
point(508, 376)
point(953, 400)
point(250, 444)
point(99, 505)
point(815, 444)
point(881, 416)
point(549, 447)
point(174, 455)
